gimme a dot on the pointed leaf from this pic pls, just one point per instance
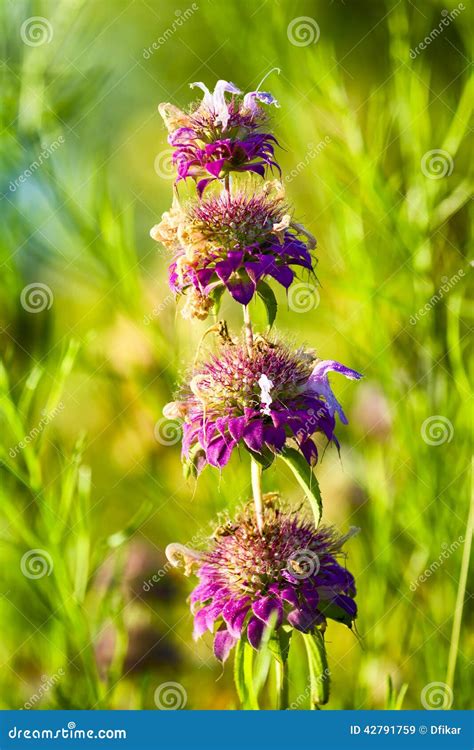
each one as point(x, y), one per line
point(318, 668)
point(267, 295)
point(307, 480)
point(243, 674)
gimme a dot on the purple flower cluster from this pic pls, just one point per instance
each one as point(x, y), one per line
point(286, 574)
point(268, 568)
point(233, 242)
point(220, 136)
point(260, 400)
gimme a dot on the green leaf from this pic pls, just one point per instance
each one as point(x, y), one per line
point(243, 675)
point(334, 612)
point(216, 296)
point(268, 298)
point(279, 644)
point(318, 668)
point(307, 480)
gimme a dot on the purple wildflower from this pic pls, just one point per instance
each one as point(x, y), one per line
point(260, 399)
point(219, 135)
point(287, 574)
point(233, 242)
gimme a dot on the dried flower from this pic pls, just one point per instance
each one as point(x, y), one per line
point(234, 242)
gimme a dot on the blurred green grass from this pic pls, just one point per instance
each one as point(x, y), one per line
point(93, 488)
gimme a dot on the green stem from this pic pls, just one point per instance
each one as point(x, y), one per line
point(281, 672)
point(248, 330)
point(458, 609)
point(256, 475)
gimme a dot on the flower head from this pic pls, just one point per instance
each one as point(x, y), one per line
point(220, 135)
point(233, 242)
point(288, 574)
point(259, 399)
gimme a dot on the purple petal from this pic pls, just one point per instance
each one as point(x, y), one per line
point(223, 643)
point(201, 623)
point(255, 631)
point(253, 436)
point(266, 608)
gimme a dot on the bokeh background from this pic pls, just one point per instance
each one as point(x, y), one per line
point(375, 151)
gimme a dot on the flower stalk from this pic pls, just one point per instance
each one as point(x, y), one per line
point(256, 476)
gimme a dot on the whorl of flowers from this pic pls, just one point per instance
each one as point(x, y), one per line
point(220, 135)
point(258, 398)
point(234, 242)
point(268, 572)
point(285, 574)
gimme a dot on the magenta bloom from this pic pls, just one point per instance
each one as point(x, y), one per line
point(233, 242)
point(286, 575)
point(219, 135)
point(260, 401)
